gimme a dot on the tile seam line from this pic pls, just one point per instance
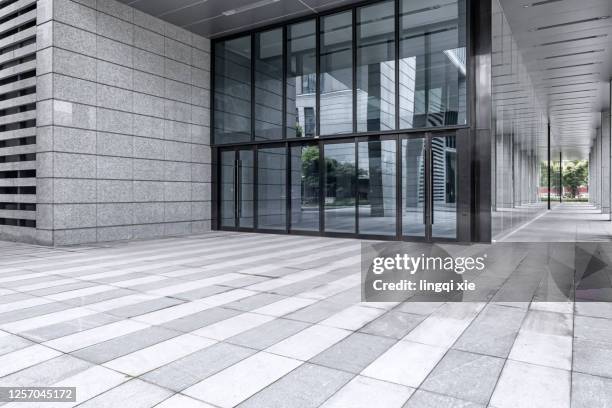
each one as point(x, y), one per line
point(95, 9)
point(96, 34)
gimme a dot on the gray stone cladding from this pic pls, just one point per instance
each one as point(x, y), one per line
point(123, 147)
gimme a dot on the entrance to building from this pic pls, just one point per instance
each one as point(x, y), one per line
point(399, 187)
point(237, 188)
point(429, 187)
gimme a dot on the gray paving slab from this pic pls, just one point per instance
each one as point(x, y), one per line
point(362, 349)
point(47, 373)
point(464, 372)
point(465, 376)
point(268, 334)
point(493, 331)
point(425, 399)
point(66, 328)
point(591, 391)
point(308, 386)
point(195, 367)
point(129, 343)
point(393, 324)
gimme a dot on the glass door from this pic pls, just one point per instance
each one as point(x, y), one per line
point(237, 188)
point(443, 181)
point(429, 187)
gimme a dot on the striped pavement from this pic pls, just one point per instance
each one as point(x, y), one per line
point(255, 320)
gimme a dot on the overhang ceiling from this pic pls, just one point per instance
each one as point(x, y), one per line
point(567, 48)
point(215, 18)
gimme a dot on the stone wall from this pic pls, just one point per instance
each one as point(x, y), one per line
point(123, 148)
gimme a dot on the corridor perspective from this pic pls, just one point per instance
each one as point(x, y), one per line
point(566, 222)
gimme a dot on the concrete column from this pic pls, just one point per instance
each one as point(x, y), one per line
point(605, 163)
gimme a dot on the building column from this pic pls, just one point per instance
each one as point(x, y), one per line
point(478, 154)
point(605, 163)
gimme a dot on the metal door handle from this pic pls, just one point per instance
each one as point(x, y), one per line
point(431, 184)
point(239, 186)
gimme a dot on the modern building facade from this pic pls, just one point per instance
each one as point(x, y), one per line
point(386, 119)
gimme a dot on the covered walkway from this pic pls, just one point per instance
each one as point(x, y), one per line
point(566, 222)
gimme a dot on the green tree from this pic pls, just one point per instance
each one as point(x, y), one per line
point(575, 174)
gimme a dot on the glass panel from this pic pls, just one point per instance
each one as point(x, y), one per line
point(336, 74)
point(271, 188)
point(376, 67)
point(444, 167)
point(233, 91)
point(432, 64)
point(245, 191)
point(305, 188)
point(413, 187)
point(376, 177)
point(301, 79)
point(228, 192)
point(269, 85)
point(340, 187)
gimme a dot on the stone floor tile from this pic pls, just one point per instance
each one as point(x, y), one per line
point(268, 334)
point(465, 375)
point(309, 342)
point(493, 332)
point(364, 392)
point(305, 387)
point(187, 371)
point(157, 355)
point(253, 374)
point(140, 394)
point(362, 349)
point(590, 391)
point(393, 324)
point(405, 363)
point(425, 399)
point(523, 385)
point(120, 346)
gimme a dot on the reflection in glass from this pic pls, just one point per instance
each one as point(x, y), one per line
point(301, 79)
point(232, 95)
point(245, 188)
point(269, 85)
point(413, 187)
point(432, 64)
point(376, 183)
point(376, 67)
point(228, 192)
point(340, 187)
point(336, 75)
point(271, 188)
point(305, 188)
point(444, 167)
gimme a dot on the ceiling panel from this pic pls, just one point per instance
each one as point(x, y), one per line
point(567, 48)
point(215, 18)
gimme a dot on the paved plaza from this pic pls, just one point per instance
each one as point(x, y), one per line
point(255, 320)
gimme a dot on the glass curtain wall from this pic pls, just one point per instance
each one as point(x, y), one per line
point(269, 85)
point(305, 187)
point(379, 70)
point(301, 79)
point(340, 183)
point(336, 62)
point(376, 67)
point(232, 96)
point(432, 64)
point(520, 133)
point(377, 187)
point(271, 188)
point(364, 73)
